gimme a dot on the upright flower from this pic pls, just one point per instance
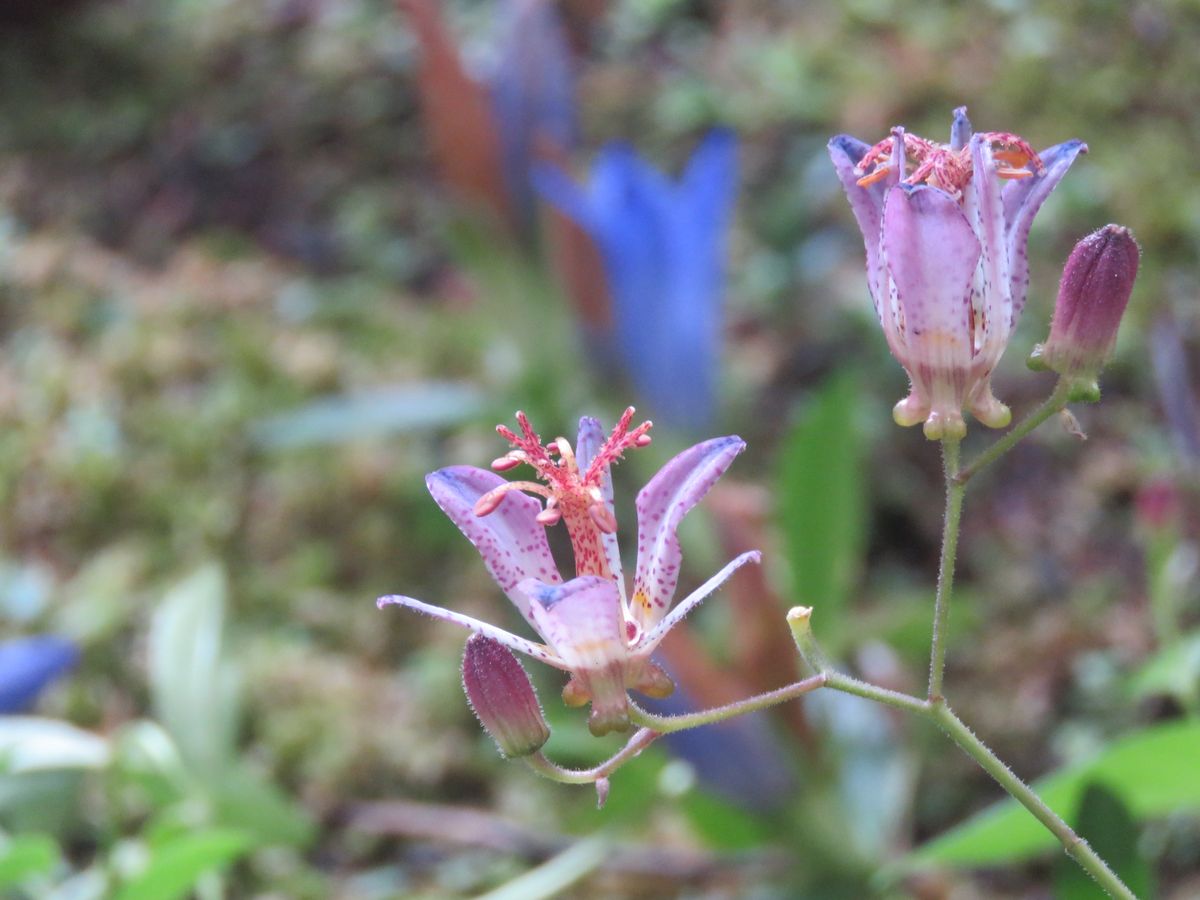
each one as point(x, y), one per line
point(29, 665)
point(945, 228)
point(485, 132)
point(663, 249)
point(591, 626)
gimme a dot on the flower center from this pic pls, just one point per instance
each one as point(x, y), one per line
point(573, 495)
point(945, 166)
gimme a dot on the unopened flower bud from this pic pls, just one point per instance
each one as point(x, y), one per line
point(502, 697)
point(1095, 287)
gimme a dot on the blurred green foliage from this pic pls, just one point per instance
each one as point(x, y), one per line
point(229, 289)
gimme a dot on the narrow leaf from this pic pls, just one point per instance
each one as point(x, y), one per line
point(822, 500)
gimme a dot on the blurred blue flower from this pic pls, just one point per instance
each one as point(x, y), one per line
point(29, 665)
point(663, 248)
point(486, 131)
point(533, 94)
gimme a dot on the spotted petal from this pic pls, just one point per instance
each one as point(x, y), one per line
point(510, 540)
point(867, 204)
point(520, 644)
point(591, 438)
point(993, 294)
point(931, 253)
point(661, 506)
point(1023, 198)
point(582, 621)
point(654, 637)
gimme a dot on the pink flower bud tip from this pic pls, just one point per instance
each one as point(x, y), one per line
point(1096, 283)
point(502, 697)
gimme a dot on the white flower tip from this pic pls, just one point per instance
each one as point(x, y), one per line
point(799, 614)
point(389, 600)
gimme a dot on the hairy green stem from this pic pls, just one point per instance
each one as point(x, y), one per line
point(667, 724)
point(1055, 402)
point(945, 584)
point(641, 739)
point(1075, 846)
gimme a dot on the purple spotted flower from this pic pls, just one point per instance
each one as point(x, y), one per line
point(592, 626)
point(946, 257)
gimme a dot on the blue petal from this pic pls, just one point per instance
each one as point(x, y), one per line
point(29, 665)
point(663, 250)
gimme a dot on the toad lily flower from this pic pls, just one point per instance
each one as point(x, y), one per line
point(592, 628)
point(946, 257)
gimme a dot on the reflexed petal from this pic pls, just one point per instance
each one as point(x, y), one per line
point(1023, 198)
point(694, 599)
point(513, 545)
point(591, 437)
point(661, 506)
point(520, 644)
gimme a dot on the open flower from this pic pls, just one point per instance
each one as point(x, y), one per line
point(946, 257)
point(591, 626)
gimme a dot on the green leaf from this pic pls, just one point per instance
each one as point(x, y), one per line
point(195, 688)
point(1174, 671)
point(379, 412)
point(1153, 771)
point(27, 855)
point(176, 866)
point(822, 501)
point(250, 804)
point(1105, 823)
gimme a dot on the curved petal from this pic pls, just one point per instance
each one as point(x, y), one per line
point(867, 205)
point(591, 438)
point(510, 540)
point(520, 644)
point(1022, 199)
point(661, 506)
point(582, 621)
point(992, 300)
point(654, 637)
point(931, 253)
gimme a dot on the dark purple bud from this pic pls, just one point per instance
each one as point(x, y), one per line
point(1095, 287)
point(503, 698)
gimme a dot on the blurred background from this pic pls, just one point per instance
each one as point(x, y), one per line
point(264, 264)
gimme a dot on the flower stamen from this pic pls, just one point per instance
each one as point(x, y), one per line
point(574, 497)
